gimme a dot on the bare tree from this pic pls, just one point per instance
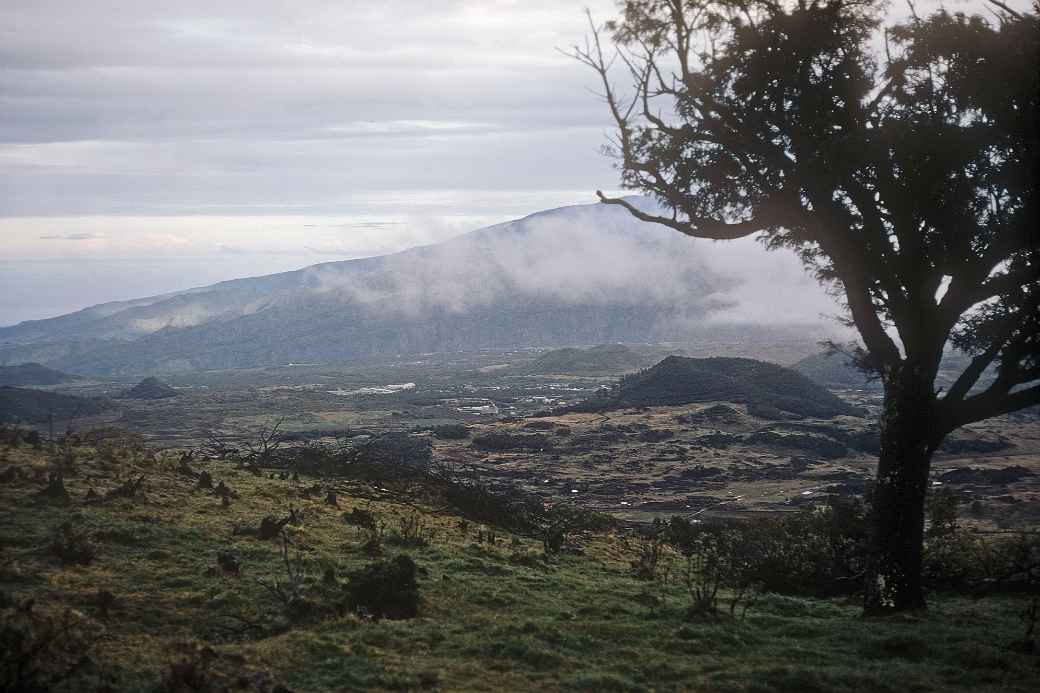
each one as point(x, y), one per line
point(266, 442)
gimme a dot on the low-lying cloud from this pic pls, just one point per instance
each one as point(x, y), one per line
point(590, 255)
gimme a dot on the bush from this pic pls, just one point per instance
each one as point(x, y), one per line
point(817, 551)
point(651, 554)
point(72, 547)
point(385, 589)
point(958, 560)
point(411, 532)
point(717, 559)
point(454, 431)
point(359, 517)
point(509, 509)
point(39, 651)
point(941, 509)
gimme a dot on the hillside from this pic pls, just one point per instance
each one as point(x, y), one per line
point(575, 275)
point(606, 358)
point(32, 374)
point(23, 405)
point(150, 388)
point(144, 570)
point(762, 386)
point(833, 370)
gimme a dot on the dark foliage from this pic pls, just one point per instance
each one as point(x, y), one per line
point(817, 551)
point(32, 374)
point(73, 546)
point(40, 651)
point(359, 517)
point(908, 184)
point(385, 589)
point(451, 431)
point(23, 405)
point(507, 508)
point(389, 456)
point(821, 445)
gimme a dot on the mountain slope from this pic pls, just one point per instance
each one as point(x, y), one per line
point(32, 374)
point(605, 358)
point(575, 275)
point(28, 406)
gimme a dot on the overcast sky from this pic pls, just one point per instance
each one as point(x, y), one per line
point(153, 146)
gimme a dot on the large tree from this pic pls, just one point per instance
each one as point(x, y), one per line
point(900, 163)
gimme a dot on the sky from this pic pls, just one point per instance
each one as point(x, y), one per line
point(148, 147)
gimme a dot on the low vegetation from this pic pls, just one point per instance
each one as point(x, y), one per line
point(443, 583)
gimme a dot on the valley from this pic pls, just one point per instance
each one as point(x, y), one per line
point(531, 429)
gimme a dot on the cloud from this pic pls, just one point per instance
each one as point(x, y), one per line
point(588, 255)
point(73, 237)
point(407, 127)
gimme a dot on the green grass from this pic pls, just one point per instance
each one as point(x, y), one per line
point(492, 617)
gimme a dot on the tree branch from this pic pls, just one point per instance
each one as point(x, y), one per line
point(703, 228)
point(993, 402)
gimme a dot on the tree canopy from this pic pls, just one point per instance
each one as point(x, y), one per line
point(900, 162)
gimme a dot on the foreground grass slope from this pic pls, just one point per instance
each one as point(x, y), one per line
point(182, 594)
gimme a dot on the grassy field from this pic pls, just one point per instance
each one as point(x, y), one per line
point(155, 610)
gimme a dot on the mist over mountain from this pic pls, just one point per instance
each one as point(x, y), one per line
point(575, 275)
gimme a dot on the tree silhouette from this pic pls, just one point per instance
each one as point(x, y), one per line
point(899, 162)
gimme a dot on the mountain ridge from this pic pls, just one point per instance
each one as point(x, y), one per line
point(584, 274)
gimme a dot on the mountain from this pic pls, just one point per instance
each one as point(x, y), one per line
point(834, 370)
point(764, 387)
point(23, 405)
point(32, 374)
point(606, 358)
point(586, 274)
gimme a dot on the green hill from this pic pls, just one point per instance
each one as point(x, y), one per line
point(149, 571)
point(760, 385)
point(22, 405)
point(32, 374)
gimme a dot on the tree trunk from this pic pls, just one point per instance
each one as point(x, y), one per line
point(908, 439)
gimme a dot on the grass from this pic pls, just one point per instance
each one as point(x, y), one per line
point(494, 617)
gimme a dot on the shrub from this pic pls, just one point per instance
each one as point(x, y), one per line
point(391, 455)
point(715, 560)
point(72, 546)
point(411, 532)
point(960, 560)
point(455, 431)
point(40, 651)
point(942, 511)
point(359, 517)
point(385, 589)
point(510, 509)
point(651, 554)
point(818, 551)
